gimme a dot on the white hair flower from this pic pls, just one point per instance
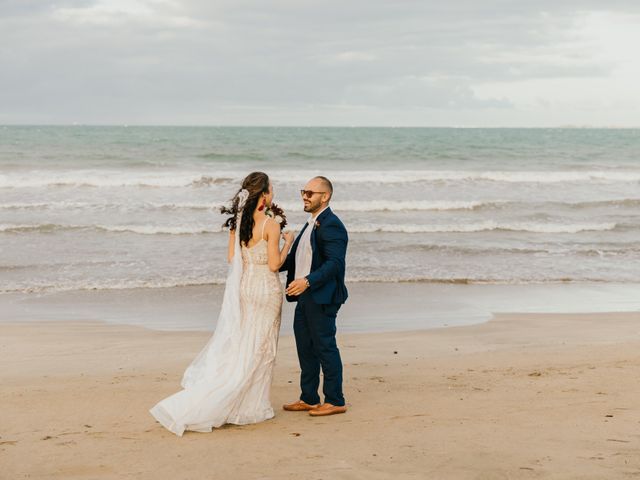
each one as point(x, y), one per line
point(243, 195)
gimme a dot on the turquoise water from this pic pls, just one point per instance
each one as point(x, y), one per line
point(343, 148)
point(123, 207)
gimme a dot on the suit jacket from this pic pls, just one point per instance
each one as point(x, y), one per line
point(329, 246)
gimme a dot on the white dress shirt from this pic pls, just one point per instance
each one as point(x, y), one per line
point(304, 255)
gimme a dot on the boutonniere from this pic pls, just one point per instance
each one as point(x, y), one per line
point(317, 225)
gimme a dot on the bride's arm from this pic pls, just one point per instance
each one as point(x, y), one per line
point(276, 257)
point(232, 244)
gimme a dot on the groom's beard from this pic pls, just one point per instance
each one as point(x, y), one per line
point(312, 207)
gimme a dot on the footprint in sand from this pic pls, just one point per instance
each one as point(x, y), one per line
point(68, 442)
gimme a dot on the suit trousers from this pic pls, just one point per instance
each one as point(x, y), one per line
point(314, 326)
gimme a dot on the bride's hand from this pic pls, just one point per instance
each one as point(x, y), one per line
point(287, 236)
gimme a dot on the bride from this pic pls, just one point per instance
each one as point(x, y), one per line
point(230, 379)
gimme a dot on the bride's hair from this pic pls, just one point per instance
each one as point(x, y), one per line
point(256, 184)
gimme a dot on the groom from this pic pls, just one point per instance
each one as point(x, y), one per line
point(315, 279)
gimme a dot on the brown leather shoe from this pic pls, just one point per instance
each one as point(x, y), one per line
point(327, 409)
point(299, 406)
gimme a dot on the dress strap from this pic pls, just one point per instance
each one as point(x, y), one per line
point(263, 225)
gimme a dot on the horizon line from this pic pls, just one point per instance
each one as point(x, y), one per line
point(134, 125)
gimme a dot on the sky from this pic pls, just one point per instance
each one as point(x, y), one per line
point(464, 63)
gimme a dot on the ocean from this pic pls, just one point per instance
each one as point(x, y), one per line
point(100, 208)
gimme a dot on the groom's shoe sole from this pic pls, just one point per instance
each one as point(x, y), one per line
point(299, 406)
point(327, 409)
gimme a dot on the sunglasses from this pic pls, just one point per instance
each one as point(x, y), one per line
point(308, 193)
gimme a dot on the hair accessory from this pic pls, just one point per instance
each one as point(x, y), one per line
point(243, 195)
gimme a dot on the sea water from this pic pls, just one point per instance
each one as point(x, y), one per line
point(89, 207)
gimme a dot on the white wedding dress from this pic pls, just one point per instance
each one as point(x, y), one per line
point(230, 380)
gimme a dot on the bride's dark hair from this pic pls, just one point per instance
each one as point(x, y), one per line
point(256, 184)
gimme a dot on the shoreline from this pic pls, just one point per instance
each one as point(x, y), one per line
point(520, 396)
point(371, 307)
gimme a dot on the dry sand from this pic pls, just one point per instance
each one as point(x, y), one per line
point(522, 396)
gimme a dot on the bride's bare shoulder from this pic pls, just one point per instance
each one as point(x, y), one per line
point(271, 228)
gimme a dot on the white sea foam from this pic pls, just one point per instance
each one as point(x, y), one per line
point(139, 229)
point(199, 282)
point(160, 230)
point(338, 206)
point(484, 226)
point(121, 284)
point(182, 178)
point(397, 206)
point(125, 204)
point(366, 228)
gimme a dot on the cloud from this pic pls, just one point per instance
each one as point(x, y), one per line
point(127, 13)
point(165, 61)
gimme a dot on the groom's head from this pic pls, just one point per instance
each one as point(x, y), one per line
point(317, 194)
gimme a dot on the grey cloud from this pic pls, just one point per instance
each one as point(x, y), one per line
point(198, 56)
point(30, 8)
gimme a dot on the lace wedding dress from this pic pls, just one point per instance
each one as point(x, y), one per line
point(230, 380)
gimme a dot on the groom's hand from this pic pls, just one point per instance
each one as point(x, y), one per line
point(297, 287)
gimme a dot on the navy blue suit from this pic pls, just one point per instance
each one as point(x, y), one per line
point(314, 323)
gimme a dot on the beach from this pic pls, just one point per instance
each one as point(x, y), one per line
point(519, 396)
point(468, 171)
point(491, 331)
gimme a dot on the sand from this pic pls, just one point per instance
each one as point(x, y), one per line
point(521, 396)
